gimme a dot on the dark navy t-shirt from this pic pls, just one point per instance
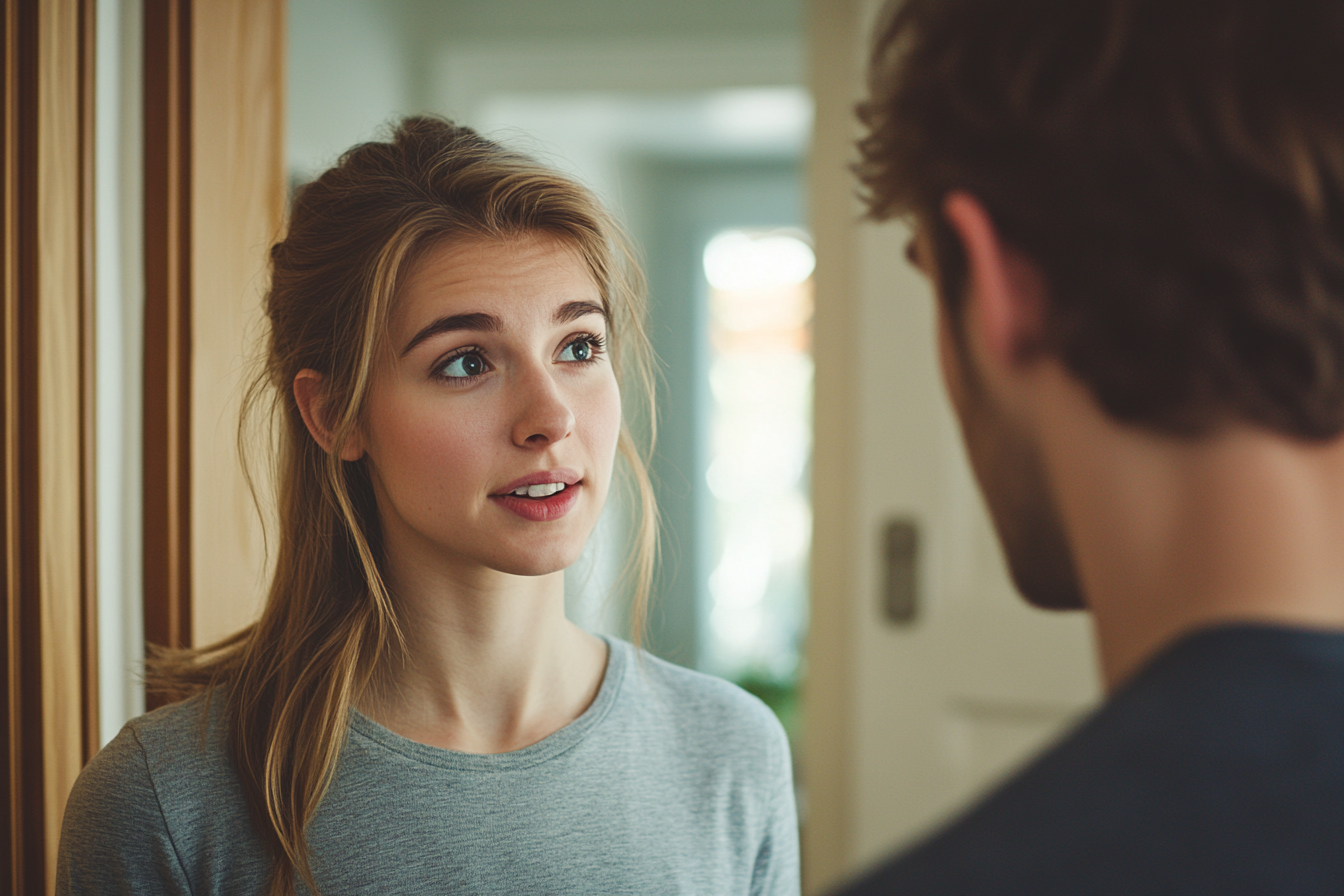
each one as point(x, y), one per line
point(1218, 769)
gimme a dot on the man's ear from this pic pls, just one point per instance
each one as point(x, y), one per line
point(1005, 292)
point(310, 395)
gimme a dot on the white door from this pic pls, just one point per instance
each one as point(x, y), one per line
point(950, 701)
point(906, 722)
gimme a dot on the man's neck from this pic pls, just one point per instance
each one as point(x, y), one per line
point(1172, 535)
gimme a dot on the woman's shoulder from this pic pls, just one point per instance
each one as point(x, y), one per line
point(713, 739)
point(188, 736)
point(167, 754)
point(178, 730)
point(696, 702)
point(139, 806)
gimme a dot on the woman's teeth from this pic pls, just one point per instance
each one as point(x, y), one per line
point(539, 491)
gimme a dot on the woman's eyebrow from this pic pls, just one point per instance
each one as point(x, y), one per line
point(482, 322)
point(476, 320)
point(575, 310)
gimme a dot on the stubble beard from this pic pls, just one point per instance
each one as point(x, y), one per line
point(1011, 473)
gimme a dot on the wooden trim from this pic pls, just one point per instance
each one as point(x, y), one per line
point(88, 383)
point(214, 202)
point(238, 196)
point(49, 667)
point(168, 318)
point(829, 690)
point(13, 868)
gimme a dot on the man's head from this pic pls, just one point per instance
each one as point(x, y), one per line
point(1171, 170)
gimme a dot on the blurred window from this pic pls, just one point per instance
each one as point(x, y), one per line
point(760, 375)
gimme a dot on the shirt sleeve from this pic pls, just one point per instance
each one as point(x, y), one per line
point(114, 839)
point(776, 870)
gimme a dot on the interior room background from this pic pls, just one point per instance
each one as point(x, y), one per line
point(824, 544)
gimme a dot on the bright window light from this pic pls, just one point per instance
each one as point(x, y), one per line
point(760, 379)
point(737, 261)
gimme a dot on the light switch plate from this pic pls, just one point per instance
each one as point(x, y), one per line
point(900, 585)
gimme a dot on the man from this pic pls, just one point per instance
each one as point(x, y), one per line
point(1132, 212)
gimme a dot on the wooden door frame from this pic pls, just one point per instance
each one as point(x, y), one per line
point(214, 198)
point(167, 334)
point(830, 722)
point(48, 637)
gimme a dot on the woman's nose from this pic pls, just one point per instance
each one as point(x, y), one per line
point(544, 415)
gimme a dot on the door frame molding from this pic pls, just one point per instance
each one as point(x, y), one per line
point(836, 82)
point(168, 319)
point(214, 201)
point(48, 637)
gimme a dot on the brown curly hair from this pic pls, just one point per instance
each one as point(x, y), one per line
point(1174, 167)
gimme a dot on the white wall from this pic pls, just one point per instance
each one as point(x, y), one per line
point(355, 64)
point(119, 321)
point(348, 74)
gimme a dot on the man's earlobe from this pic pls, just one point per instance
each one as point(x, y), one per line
point(1005, 293)
point(310, 396)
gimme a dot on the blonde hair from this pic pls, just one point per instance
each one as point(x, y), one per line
point(290, 679)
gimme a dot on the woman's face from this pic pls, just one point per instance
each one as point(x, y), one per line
point(491, 424)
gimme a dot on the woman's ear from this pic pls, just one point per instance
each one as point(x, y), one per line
point(311, 395)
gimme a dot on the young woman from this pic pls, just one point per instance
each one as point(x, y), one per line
point(449, 323)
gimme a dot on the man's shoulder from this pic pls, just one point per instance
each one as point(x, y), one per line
point(1217, 770)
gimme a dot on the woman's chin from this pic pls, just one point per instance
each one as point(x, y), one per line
point(535, 562)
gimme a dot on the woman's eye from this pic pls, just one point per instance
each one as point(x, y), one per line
point(579, 350)
point(463, 366)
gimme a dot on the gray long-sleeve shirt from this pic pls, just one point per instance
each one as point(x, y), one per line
point(671, 782)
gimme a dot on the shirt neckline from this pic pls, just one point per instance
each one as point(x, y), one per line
point(543, 750)
point(1240, 641)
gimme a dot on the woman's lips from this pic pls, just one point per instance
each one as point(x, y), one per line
point(541, 510)
point(562, 475)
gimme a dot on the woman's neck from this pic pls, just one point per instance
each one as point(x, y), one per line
point(490, 665)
